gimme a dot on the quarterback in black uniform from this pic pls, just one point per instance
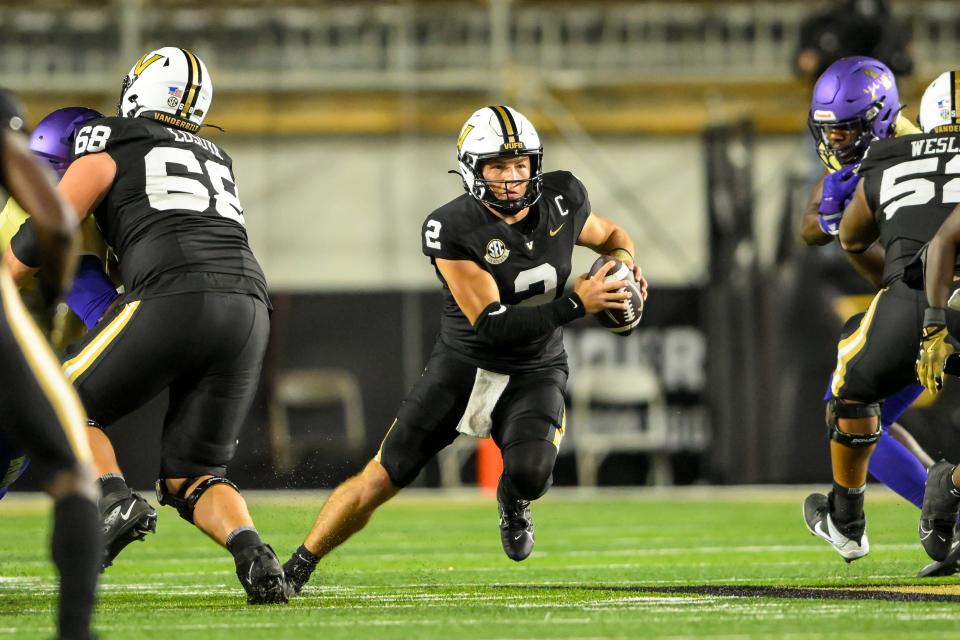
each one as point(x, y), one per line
point(906, 192)
point(194, 318)
point(502, 253)
point(41, 412)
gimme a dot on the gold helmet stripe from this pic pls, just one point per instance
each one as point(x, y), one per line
point(192, 89)
point(507, 124)
point(511, 123)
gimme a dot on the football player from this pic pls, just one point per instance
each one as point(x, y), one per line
point(91, 291)
point(194, 316)
point(902, 197)
point(941, 502)
point(854, 102)
point(41, 412)
point(502, 252)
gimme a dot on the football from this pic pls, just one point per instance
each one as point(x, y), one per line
point(620, 321)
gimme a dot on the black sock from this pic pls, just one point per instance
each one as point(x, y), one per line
point(305, 557)
point(111, 484)
point(300, 567)
point(504, 494)
point(242, 539)
point(77, 552)
point(847, 505)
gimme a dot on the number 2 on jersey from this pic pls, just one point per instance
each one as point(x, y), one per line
point(166, 192)
point(545, 274)
point(432, 235)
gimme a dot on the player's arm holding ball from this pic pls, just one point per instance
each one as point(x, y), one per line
point(477, 296)
point(607, 238)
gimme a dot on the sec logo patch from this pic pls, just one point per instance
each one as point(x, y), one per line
point(497, 251)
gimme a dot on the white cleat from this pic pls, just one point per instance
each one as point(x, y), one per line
point(816, 515)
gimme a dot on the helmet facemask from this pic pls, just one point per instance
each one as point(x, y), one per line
point(482, 190)
point(857, 133)
point(123, 89)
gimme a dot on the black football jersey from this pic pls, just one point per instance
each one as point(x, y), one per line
point(173, 213)
point(529, 260)
point(911, 183)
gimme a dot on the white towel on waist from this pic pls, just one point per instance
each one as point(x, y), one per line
point(477, 419)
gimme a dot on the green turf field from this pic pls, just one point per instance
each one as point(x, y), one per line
point(645, 564)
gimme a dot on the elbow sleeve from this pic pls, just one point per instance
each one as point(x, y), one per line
point(500, 324)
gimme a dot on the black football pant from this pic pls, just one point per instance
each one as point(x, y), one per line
point(528, 422)
point(205, 347)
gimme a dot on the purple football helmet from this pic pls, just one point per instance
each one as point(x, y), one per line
point(52, 139)
point(854, 101)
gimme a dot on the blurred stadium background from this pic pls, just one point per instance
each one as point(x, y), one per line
point(687, 122)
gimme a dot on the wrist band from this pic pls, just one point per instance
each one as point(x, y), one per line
point(934, 316)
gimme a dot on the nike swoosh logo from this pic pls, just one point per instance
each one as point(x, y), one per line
point(498, 311)
point(819, 528)
point(574, 303)
point(554, 232)
point(126, 516)
point(518, 536)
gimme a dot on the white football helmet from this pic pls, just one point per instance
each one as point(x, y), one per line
point(170, 85)
point(497, 132)
point(939, 105)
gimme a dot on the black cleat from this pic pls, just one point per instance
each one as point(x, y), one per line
point(261, 575)
point(516, 527)
point(125, 517)
point(938, 516)
point(850, 541)
point(298, 570)
point(948, 567)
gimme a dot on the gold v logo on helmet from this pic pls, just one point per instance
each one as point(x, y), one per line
point(145, 62)
point(463, 135)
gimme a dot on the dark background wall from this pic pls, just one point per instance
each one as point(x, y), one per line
point(383, 339)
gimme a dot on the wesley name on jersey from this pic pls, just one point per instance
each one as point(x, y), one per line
point(911, 183)
point(529, 260)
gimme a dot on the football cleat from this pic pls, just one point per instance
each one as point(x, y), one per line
point(851, 543)
point(948, 567)
point(516, 527)
point(938, 515)
point(125, 517)
point(297, 571)
point(261, 575)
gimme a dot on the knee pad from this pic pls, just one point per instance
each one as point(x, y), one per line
point(837, 409)
point(183, 503)
point(528, 468)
